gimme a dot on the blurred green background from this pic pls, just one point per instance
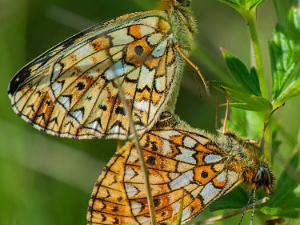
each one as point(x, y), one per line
point(48, 180)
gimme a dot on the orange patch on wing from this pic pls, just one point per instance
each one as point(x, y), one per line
point(45, 110)
point(151, 142)
point(200, 158)
point(161, 67)
point(135, 31)
point(160, 163)
point(177, 139)
point(86, 81)
point(144, 95)
point(100, 43)
point(219, 184)
point(201, 148)
point(152, 63)
point(156, 97)
point(138, 58)
point(170, 57)
point(204, 174)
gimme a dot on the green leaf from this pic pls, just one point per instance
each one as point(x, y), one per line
point(248, 124)
point(242, 5)
point(287, 186)
point(282, 51)
point(285, 59)
point(243, 100)
point(285, 201)
point(294, 18)
point(282, 8)
point(238, 122)
point(248, 80)
point(236, 199)
point(280, 212)
point(291, 91)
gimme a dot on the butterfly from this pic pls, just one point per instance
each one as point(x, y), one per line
point(73, 89)
point(186, 166)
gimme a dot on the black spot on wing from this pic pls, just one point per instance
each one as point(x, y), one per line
point(18, 80)
point(25, 72)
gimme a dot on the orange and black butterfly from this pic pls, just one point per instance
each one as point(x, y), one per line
point(187, 167)
point(72, 89)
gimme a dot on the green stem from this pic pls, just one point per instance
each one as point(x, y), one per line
point(258, 63)
point(268, 143)
point(257, 55)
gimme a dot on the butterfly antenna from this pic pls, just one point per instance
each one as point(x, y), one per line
point(246, 207)
point(227, 112)
point(217, 114)
point(196, 68)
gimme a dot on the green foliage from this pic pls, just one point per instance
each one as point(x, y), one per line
point(237, 199)
point(285, 56)
point(245, 90)
point(243, 6)
point(253, 113)
point(282, 51)
point(285, 201)
point(285, 60)
point(247, 79)
point(242, 99)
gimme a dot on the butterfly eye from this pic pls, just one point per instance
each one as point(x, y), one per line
point(185, 3)
point(264, 177)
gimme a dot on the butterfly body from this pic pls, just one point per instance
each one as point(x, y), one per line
point(72, 90)
point(185, 166)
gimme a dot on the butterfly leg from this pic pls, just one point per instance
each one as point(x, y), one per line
point(195, 67)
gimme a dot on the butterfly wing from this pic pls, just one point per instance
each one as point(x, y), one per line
point(185, 168)
point(73, 89)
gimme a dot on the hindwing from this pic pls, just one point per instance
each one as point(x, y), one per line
point(184, 168)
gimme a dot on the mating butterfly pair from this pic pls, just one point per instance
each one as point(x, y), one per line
point(73, 90)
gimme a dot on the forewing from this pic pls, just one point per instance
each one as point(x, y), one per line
point(73, 89)
point(184, 167)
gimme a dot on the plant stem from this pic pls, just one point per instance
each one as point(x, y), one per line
point(256, 51)
point(268, 143)
point(141, 157)
point(258, 63)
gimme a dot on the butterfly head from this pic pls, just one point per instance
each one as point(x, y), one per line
point(261, 174)
point(255, 170)
point(264, 178)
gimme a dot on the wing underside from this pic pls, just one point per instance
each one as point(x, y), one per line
point(184, 169)
point(73, 89)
